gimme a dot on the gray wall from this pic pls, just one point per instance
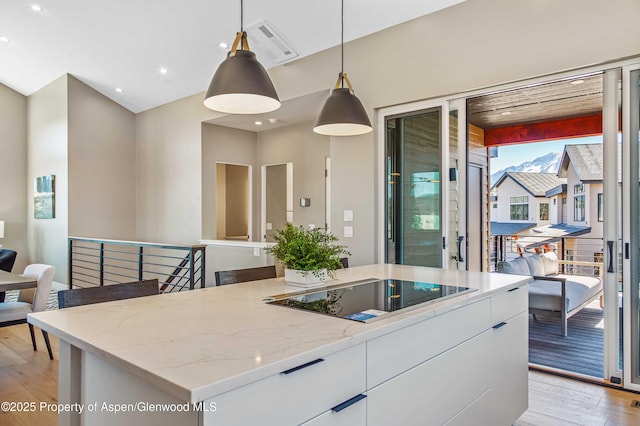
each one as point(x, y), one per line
point(13, 173)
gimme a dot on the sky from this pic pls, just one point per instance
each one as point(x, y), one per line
point(513, 155)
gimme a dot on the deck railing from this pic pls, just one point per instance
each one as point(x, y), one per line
point(580, 249)
point(96, 262)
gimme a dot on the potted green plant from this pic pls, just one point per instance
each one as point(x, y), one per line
point(308, 255)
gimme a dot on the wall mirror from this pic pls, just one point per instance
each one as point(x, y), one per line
point(233, 202)
point(277, 198)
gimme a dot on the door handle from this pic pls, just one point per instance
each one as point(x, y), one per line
point(610, 247)
point(460, 258)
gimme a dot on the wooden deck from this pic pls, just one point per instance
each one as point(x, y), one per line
point(581, 352)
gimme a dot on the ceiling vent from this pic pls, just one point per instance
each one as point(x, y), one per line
point(268, 46)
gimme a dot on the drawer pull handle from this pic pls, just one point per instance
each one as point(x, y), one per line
point(348, 403)
point(497, 326)
point(513, 289)
point(300, 367)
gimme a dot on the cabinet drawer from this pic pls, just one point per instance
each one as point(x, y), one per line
point(393, 353)
point(509, 304)
point(434, 391)
point(296, 395)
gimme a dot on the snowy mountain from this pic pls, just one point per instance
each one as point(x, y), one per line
point(546, 164)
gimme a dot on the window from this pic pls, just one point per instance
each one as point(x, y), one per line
point(578, 188)
point(544, 211)
point(578, 208)
point(600, 207)
point(495, 206)
point(519, 208)
point(564, 200)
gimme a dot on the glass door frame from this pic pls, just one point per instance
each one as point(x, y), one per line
point(381, 176)
point(630, 232)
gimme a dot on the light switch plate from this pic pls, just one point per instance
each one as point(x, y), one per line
point(348, 215)
point(348, 231)
point(269, 226)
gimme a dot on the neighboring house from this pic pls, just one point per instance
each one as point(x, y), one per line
point(521, 197)
point(581, 165)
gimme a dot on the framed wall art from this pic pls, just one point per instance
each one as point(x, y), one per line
point(44, 197)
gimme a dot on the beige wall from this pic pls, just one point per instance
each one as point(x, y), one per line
point(307, 151)
point(220, 145)
point(13, 173)
point(169, 172)
point(102, 178)
point(478, 43)
point(47, 131)
point(237, 203)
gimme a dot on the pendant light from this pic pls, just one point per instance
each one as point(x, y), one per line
point(241, 85)
point(342, 113)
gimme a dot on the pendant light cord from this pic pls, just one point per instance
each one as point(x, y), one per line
point(241, 16)
point(342, 44)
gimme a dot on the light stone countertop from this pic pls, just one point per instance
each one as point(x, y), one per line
point(197, 344)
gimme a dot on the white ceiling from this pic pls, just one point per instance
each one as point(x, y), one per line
point(123, 43)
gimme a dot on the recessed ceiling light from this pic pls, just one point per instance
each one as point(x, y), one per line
point(119, 90)
point(258, 123)
point(576, 82)
point(164, 71)
point(506, 113)
point(36, 8)
point(4, 39)
point(223, 45)
point(273, 120)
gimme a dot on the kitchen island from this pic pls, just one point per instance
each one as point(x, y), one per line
point(223, 356)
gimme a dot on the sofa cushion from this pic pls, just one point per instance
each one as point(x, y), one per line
point(547, 295)
point(536, 266)
point(518, 266)
point(550, 263)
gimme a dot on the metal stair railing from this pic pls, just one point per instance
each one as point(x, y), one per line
point(96, 262)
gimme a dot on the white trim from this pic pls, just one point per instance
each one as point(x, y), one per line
point(382, 113)
point(461, 106)
point(627, 84)
point(263, 196)
point(611, 216)
point(249, 195)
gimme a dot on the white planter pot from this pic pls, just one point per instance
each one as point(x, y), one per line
point(305, 279)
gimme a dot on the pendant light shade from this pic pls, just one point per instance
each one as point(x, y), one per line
point(342, 113)
point(241, 85)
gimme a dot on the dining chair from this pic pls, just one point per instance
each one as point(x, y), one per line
point(7, 259)
point(107, 293)
point(243, 275)
point(29, 301)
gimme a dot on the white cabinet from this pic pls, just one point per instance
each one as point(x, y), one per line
point(476, 372)
point(295, 395)
point(436, 390)
point(466, 366)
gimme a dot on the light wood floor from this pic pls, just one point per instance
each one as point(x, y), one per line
point(30, 376)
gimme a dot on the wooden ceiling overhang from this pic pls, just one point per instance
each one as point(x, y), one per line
point(558, 110)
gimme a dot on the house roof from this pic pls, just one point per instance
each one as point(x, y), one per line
point(551, 233)
point(536, 184)
point(586, 160)
point(509, 228)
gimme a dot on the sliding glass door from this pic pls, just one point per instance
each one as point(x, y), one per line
point(631, 233)
point(414, 222)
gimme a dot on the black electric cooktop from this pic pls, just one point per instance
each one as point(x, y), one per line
point(368, 299)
